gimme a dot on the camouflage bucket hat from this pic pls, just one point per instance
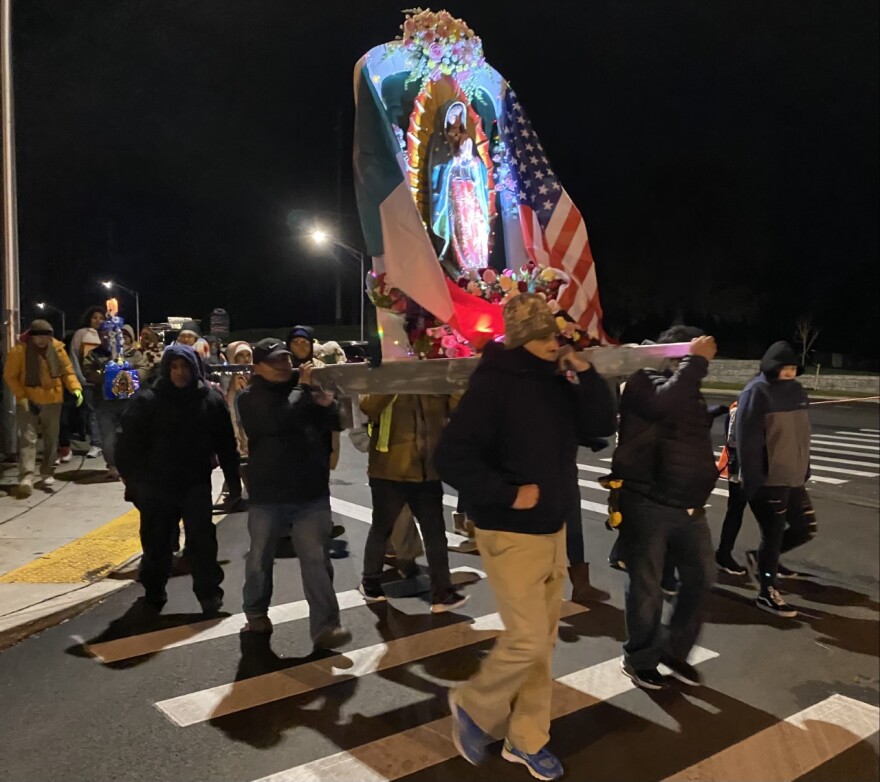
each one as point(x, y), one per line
point(527, 317)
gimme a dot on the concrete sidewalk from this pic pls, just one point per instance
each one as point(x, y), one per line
point(58, 547)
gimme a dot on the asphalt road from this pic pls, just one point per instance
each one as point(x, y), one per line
point(784, 699)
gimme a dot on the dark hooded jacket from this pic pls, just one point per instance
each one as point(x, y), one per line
point(772, 426)
point(170, 435)
point(664, 450)
point(302, 331)
point(521, 423)
point(288, 442)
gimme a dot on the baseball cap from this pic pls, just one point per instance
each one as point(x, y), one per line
point(269, 348)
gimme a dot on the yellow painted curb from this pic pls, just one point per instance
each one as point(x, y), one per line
point(85, 559)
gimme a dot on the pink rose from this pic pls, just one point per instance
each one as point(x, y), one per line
point(473, 288)
point(436, 51)
point(490, 276)
point(449, 341)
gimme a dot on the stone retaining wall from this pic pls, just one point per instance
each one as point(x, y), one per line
point(733, 371)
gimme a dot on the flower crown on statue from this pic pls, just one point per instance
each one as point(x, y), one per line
point(438, 44)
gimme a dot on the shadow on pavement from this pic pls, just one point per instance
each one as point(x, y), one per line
point(138, 619)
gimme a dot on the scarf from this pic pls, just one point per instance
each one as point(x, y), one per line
point(32, 374)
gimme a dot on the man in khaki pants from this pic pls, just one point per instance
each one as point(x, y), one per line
point(511, 451)
point(37, 372)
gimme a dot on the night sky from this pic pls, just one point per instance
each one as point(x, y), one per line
point(724, 154)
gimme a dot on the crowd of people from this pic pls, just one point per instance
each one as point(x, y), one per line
point(275, 433)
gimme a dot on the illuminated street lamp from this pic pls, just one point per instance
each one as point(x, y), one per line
point(321, 237)
point(42, 306)
point(110, 285)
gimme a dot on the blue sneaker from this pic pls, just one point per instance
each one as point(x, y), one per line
point(542, 765)
point(469, 739)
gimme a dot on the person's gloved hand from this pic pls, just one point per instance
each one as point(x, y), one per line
point(79, 397)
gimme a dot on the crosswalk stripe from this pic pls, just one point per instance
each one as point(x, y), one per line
point(843, 471)
point(190, 709)
point(836, 460)
point(823, 448)
point(591, 468)
point(792, 747)
point(410, 751)
point(361, 513)
point(133, 646)
point(824, 479)
point(873, 431)
point(845, 444)
point(861, 436)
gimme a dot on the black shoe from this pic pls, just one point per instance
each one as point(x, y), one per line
point(333, 638)
point(212, 606)
point(372, 590)
point(448, 602)
point(682, 671)
point(784, 572)
point(617, 564)
point(337, 530)
point(155, 601)
point(407, 568)
point(771, 601)
point(648, 679)
point(727, 564)
point(670, 587)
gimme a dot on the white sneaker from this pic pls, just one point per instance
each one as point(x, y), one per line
point(48, 480)
point(94, 452)
point(65, 458)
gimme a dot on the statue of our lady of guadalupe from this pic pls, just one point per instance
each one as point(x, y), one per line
point(459, 193)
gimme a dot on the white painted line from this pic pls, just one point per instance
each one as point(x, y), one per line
point(410, 751)
point(823, 479)
point(815, 458)
point(874, 431)
point(591, 468)
point(606, 459)
point(360, 513)
point(836, 441)
point(595, 507)
point(214, 702)
point(822, 448)
point(605, 680)
point(861, 436)
point(174, 637)
point(792, 747)
point(842, 470)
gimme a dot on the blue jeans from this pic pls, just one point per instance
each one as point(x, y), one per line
point(650, 535)
point(309, 525)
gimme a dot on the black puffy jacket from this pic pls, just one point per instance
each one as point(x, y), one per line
point(288, 442)
point(170, 435)
point(520, 423)
point(664, 447)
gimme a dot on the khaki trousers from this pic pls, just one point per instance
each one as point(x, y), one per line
point(49, 418)
point(510, 694)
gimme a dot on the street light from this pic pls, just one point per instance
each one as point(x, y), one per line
point(110, 284)
point(42, 306)
point(320, 237)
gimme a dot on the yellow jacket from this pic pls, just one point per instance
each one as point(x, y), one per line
point(51, 389)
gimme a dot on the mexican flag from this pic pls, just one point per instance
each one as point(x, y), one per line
point(393, 229)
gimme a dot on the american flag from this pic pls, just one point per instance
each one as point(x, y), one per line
point(553, 230)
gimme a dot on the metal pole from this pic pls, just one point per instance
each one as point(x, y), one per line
point(11, 290)
point(137, 313)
